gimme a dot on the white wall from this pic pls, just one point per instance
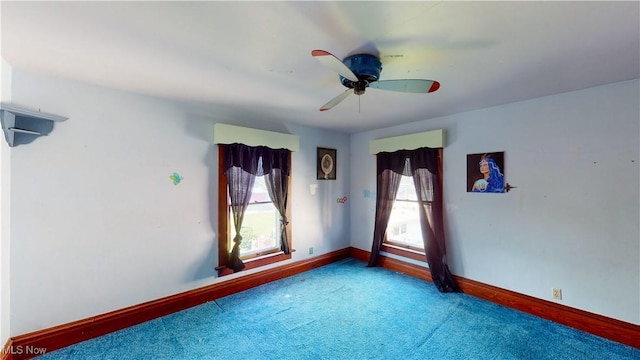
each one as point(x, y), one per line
point(573, 221)
point(97, 223)
point(319, 218)
point(5, 214)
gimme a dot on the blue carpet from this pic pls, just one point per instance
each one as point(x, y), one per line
point(347, 311)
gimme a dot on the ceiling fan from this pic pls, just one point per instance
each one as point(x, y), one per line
point(360, 71)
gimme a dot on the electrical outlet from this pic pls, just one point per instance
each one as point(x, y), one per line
point(310, 251)
point(557, 294)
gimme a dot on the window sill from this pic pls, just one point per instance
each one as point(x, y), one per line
point(256, 262)
point(400, 251)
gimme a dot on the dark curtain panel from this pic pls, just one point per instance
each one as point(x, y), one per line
point(277, 186)
point(242, 164)
point(240, 186)
point(386, 190)
point(423, 165)
point(432, 223)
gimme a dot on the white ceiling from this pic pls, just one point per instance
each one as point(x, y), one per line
point(254, 57)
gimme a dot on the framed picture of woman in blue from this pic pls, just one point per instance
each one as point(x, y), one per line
point(485, 172)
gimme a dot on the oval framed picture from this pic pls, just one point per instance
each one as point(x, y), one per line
point(326, 159)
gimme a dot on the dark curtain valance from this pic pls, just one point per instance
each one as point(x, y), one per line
point(406, 161)
point(244, 157)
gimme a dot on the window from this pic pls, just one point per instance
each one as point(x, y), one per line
point(262, 225)
point(404, 229)
point(404, 235)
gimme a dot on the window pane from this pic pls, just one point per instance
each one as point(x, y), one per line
point(404, 222)
point(260, 226)
point(404, 225)
point(259, 192)
point(407, 191)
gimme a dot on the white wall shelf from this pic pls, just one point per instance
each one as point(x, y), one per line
point(21, 124)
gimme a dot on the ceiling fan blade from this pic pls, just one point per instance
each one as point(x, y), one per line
point(407, 85)
point(336, 100)
point(330, 61)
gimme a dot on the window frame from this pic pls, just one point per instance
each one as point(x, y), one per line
point(405, 250)
point(224, 227)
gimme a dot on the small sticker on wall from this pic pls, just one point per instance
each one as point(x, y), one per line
point(341, 200)
point(176, 178)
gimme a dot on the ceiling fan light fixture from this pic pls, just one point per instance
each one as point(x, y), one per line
point(366, 67)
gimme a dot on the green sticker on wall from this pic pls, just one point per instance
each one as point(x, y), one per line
point(176, 178)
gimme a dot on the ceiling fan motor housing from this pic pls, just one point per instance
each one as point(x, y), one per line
point(366, 67)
